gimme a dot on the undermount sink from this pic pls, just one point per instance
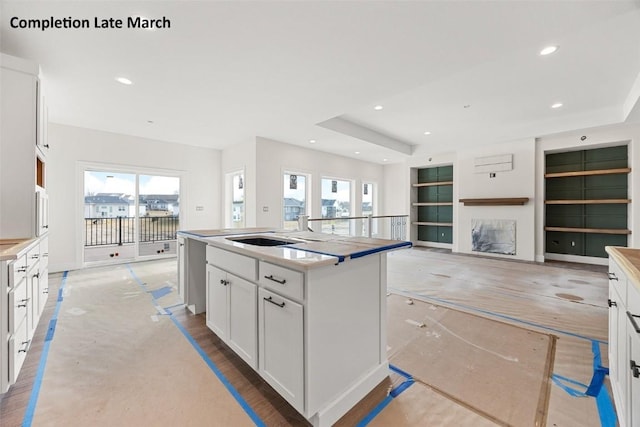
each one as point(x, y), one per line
point(261, 241)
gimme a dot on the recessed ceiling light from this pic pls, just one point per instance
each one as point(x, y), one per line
point(548, 50)
point(378, 107)
point(124, 80)
point(312, 141)
point(357, 152)
point(150, 122)
point(384, 160)
point(557, 105)
point(427, 133)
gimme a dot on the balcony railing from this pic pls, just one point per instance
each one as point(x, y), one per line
point(122, 230)
point(393, 227)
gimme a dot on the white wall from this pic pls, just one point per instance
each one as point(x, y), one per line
point(273, 158)
point(595, 138)
point(71, 147)
point(518, 182)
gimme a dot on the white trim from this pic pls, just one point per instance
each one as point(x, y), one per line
point(426, 244)
point(576, 258)
point(308, 202)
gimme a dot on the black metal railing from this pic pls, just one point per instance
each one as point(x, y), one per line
point(121, 230)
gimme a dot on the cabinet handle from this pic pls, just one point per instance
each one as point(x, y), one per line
point(611, 303)
point(633, 321)
point(36, 276)
point(612, 276)
point(45, 255)
point(26, 347)
point(635, 368)
point(36, 256)
point(22, 269)
point(24, 303)
point(270, 277)
point(45, 291)
point(46, 226)
point(273, 302)
point(46, 145)
point(224, 282)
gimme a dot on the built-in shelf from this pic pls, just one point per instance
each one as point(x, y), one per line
point(433, 204)
point(505, 201)
point(429, 184)
point(441, 224)
point(587, 173)
point(589, 230)
point(588, 202)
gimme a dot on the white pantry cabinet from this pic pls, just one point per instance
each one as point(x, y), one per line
point(24, 221)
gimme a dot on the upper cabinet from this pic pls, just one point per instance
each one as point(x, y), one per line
point(23, 146)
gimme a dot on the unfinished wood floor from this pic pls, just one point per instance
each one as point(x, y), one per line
point(569, 302)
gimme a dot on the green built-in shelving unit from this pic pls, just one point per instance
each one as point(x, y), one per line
point(434, 204)
point(586, 201)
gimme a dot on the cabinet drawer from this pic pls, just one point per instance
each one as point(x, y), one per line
point(618, 280)
point(33, 255)
point(18, 347)
point(282, 280)
point(44, 253)
point(17, 271)
point(231, 262)
point(18, 303)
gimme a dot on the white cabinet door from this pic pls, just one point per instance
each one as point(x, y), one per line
point(281, 355)
point(243, 318)
point(217, 301)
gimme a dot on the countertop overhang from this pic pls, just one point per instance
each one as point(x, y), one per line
point(629, 260)
point(306, 250)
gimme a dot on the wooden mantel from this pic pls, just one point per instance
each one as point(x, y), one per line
point(504, 201)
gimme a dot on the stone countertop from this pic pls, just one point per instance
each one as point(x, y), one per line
point(11, 248)
point(306, 249)
point(629, 260)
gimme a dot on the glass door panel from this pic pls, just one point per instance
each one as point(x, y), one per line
point(109, 216)
point(158, 214)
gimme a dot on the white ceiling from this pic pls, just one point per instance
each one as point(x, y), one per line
point(226, 72)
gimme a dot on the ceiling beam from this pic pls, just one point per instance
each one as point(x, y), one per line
point(354, 130)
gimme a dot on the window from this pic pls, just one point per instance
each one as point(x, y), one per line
point(294, 202)
point(369, 208)
point(235, 214)
point(336, 203)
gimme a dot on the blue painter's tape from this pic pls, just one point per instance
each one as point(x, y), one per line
point(37, 383)
point(249, 411)
point(607, 414)
point(51, 330)
point(399, 371)
point(395, 392)
point(254, 417)
point(159, 293)
point(371, 415)
point(382, 249)
point(559, 381)
point(174, 306)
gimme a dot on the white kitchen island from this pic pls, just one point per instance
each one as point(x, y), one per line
point(308, 315)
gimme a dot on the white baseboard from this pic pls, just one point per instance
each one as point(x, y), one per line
point(577, 258)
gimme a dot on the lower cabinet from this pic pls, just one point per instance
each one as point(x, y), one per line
point(624, 340)
point(24, 291)
point(231, 312)
point(281, 355)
